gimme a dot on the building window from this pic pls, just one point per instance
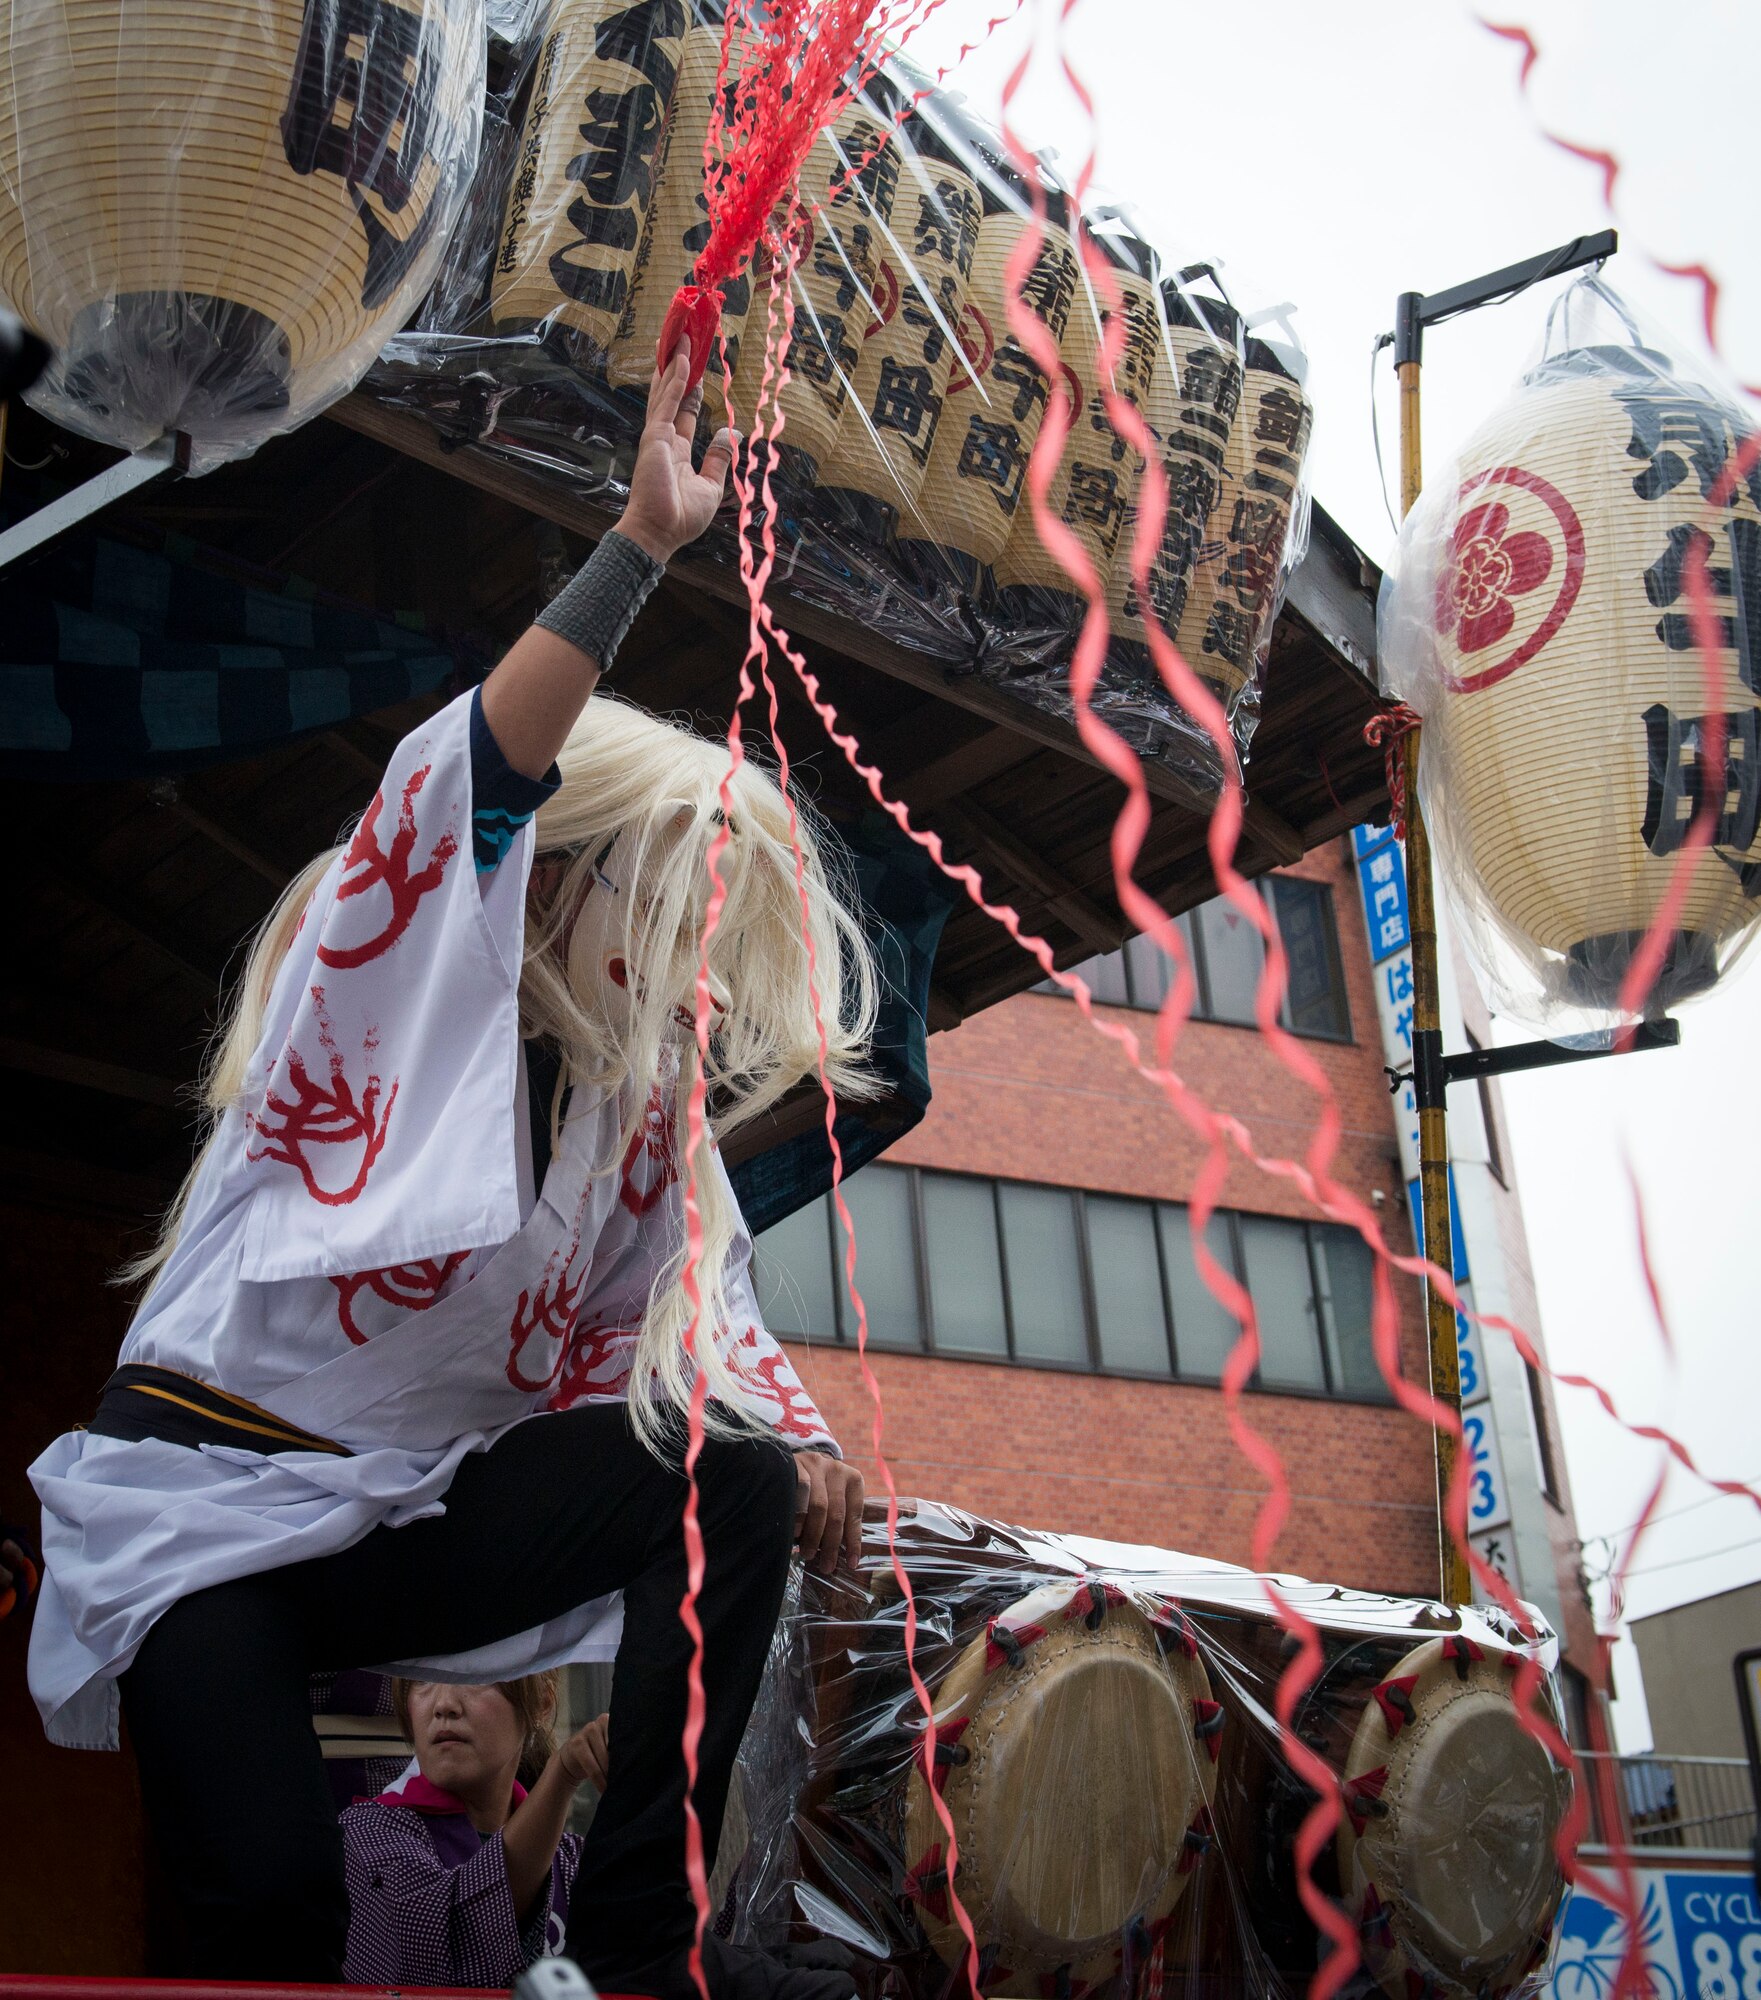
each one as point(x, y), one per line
point(1227, 955)
point(1053, 1277)
point(1545, 1468)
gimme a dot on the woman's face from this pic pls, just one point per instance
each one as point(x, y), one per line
point(466, 1738)
point(601, 952)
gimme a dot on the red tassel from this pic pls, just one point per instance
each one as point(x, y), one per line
point(694, 315)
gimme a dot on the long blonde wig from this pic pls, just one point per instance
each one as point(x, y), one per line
point(652, 788)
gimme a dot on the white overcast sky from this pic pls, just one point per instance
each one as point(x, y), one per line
point(1335, 153)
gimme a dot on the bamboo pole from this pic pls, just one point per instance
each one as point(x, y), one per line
point(1427, 1065)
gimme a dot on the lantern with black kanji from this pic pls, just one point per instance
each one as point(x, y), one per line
point(1097, 475)
point(678, 222)
point(905, 353)
point(1578, 622)
point(1254, 523)
point(216, 213)
point(976, 480)
point(840, 225)
point(584, 173)
point(1190, 411)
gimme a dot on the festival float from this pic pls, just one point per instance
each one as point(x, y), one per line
point(471, 283)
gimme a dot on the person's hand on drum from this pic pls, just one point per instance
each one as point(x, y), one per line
point(828, 1512)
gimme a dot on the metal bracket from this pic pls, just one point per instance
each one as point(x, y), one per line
point(1476, 1063)
point(141, 468)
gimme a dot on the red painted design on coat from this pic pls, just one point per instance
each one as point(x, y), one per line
point(318, 1116)
point(367, 866)
point(549, 1314)
point(651, 1162)
point(770, 1375)
point(585, 1373)
point(412, 1288)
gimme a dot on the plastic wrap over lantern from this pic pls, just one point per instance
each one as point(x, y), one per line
point(1543, 625)
point(217, 211)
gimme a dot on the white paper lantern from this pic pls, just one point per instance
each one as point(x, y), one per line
point(1543, 627)
point(217, 211)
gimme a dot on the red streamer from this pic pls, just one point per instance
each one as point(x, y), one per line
point(1220, 1132)
point(1608, 164)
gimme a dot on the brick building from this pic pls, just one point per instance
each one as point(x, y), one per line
point(1045, 1350)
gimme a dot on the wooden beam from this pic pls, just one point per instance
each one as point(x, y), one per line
point(178, 952)
point(945, 1010)
point(227, 841)
point(550, 500)
point(1016, 859)
point(113, 1079)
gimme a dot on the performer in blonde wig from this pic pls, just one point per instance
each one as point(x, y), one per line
point(406, 1387)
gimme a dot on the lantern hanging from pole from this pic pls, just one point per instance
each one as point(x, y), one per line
point(1545, 627)
point(217, 211)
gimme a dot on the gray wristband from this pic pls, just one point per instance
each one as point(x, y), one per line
point(595, 609)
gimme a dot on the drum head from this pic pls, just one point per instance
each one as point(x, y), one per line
point(1075, 1759)
point(1446, 1847)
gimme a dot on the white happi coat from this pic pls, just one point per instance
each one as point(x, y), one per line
point(364, 1255)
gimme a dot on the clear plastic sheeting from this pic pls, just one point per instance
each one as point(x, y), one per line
point(1125, 1817)
point(1576, 617)
point(902, 428)
point(216, 211)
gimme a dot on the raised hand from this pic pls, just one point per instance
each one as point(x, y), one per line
point(671, 501)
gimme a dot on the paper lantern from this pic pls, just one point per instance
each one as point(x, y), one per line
point(1193, 397)
point(1543, 627)
point(217, 213)
point(1098, 473)
point(678, 223)
point(1233, 596)
point(976, 480)
point(847, 191)
point(905, 357)
point(584, 174)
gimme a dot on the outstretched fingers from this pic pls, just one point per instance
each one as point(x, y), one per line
point(667, 392)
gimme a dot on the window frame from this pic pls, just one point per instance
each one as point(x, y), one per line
point(1203, 1003)
point(1228, 1219)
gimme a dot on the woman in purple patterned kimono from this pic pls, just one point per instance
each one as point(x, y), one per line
point(406, 1390)
point(457, 1874)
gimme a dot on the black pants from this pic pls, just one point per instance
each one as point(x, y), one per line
point(561, 1510)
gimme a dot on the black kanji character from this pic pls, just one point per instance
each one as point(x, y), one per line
point(1014, 368)
point(1282, 419)
point(1675, 786)
point(1736, 590)
point(947, 224)
point(1230, 634)
point(1211, 380)
point(993, 455)
point(361, 105)
point(905, 401)
point(1672, 433)
point(1094, 497)
point(1050, 287)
